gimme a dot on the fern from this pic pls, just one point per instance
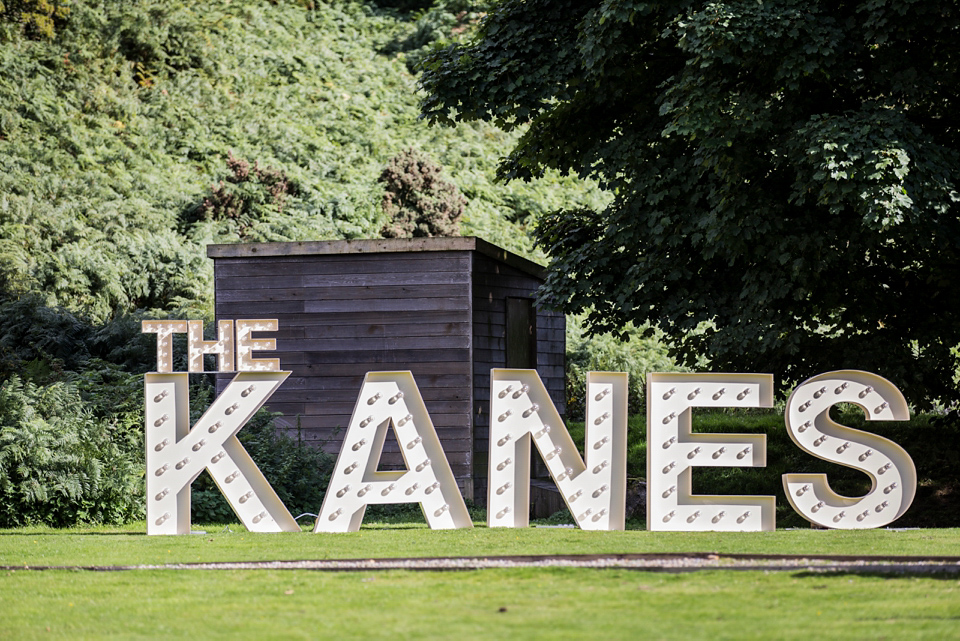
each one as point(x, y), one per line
point(59, 465)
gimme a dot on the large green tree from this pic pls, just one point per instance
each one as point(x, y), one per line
point(783, 174)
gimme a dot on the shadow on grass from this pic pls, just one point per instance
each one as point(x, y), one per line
point(892, 573)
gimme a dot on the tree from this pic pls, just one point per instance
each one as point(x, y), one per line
point(783, 174)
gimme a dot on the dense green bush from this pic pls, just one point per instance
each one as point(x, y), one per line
point(112, 133)
point(247, 198)
point(60, 465)
point(49, 344)
point(417, 200)
point(33, 18)
point(637, 352)
point(439, 23)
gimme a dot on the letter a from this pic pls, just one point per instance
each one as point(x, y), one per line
point(391, 399)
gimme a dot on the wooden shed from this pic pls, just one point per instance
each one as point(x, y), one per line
point(447, 309)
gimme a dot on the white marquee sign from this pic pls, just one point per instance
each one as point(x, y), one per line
point(887, 464)
point(521, 413)
point(391, 400)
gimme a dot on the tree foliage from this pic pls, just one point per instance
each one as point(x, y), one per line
point(783, 173)
point(630, 351)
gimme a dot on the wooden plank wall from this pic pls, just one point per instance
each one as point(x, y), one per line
point(493, 282)
point(344, 315)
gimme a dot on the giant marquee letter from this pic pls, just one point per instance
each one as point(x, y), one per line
point(391, 400)
point(673, 449)
point(222, 347)
point(890, 468)
point(176, 454)
point(521, 410)
point(165, 331)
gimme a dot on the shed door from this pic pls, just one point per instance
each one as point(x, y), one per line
point(521, 334)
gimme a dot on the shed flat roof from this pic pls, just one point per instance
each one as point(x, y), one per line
point(376, 246)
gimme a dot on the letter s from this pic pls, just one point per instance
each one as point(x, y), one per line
point(890, 468)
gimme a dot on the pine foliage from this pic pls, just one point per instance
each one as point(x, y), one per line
point(33, 18)
point(120, 138)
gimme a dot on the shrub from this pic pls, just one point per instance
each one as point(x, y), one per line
point(440, 22)
point(245, 198)
point(418, 202)
point(44, 344)
point(35, 18)
point(59, 464)
point(404, 5)
point(637, 353)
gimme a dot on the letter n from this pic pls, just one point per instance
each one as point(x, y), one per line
point(520, 411)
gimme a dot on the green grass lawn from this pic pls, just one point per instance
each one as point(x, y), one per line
point(554, 603)
point(551, 603)
point(518, 603)
point(129, 545)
